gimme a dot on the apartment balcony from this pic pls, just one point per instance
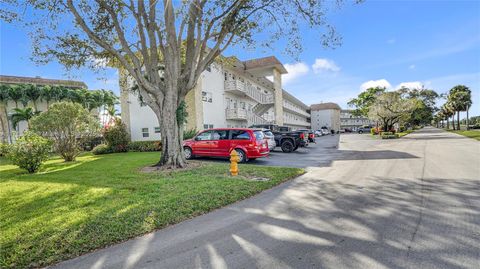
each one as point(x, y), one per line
point(236, 114)
point(240, 88)
point(295, 110)
point(296, 122)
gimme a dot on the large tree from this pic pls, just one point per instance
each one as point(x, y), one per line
point(365, 100)
point(390, 108)
point(426, 104)
point(165, 45)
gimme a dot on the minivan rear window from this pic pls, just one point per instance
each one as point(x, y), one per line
point(259, 135)
point(268, 133)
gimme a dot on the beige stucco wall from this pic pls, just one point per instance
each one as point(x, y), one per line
point(193, 100)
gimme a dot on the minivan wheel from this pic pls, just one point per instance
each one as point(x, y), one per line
point(287, 146)
point(188, 153)
point(241, 155)
point(360, 132)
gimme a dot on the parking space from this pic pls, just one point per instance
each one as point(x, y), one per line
point(314, 155)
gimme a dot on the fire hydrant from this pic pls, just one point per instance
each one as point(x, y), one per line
point(234, 159)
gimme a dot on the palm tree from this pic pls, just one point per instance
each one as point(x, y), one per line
point(460, 97)
point(48, 93)
point(23, 115)
point(15, 93)
point(33, 93)
point(448, 112)
point(4, 98)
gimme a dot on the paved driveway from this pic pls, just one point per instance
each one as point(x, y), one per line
point(406, 203)
point(313, 155)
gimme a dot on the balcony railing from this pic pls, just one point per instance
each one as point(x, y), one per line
point(236, 114)
point(236, 86)
point(295, 109)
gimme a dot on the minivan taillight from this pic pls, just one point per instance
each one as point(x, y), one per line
point(302, 136)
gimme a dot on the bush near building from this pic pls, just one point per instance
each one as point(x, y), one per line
point(145, 146)
point(67, 124)
point(116, 137)
point(29, 151)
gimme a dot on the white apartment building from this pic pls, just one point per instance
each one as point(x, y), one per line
point(325, 115)
point(233, 95)
point(348, 120)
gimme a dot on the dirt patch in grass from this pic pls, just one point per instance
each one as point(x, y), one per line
point(159, 169)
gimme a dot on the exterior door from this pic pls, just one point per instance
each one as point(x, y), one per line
point(220, 143)
point(202, 143)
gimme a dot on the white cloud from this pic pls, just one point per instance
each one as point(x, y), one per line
point(294, 71)
point(410, 85)
point(412, 66)
point(375, 83)
point(324, 65)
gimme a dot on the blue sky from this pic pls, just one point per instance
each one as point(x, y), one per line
point(390, 43)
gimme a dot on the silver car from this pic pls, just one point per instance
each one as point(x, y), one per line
point(270, 139)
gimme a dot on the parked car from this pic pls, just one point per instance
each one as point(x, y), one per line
point(287, 140)
point(325, 131)
point(249, 144)
point(364, 129)
point(311, 135)
point(270, 138)
point(318, 133)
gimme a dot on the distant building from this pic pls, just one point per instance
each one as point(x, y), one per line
point(6, 128)
point(348, 120)
point(325, 115)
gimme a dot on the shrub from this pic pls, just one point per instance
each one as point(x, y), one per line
point(189, 134)
point(386, 133)
point(67, 124)
point(101, 149)
point(4, 148)
point(390, 136)
point(402, 128)
point(374, 131)
point(145, 146)
point(117, 137)
point(29, 151)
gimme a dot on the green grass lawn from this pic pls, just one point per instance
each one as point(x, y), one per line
point(68, 209)
point(475, 134)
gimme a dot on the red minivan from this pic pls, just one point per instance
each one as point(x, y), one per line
point(249, 144)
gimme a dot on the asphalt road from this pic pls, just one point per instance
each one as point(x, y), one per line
point(407, 203)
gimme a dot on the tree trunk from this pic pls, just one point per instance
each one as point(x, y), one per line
point(172, 155)
point(453, 121)
point(448, 123)
point(468, 121)
point(458, 120)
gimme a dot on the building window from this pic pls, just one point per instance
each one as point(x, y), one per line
point(226, 76)
point(207, 126)
point(208, 68)
point(145, 132)
point(157, 130)
point(207, 97)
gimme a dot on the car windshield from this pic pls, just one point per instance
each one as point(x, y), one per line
point(268, 133)
point(259, 135)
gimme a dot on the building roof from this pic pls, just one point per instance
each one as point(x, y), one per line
point(325, 106)
point(264, 64)
point(41, 81)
